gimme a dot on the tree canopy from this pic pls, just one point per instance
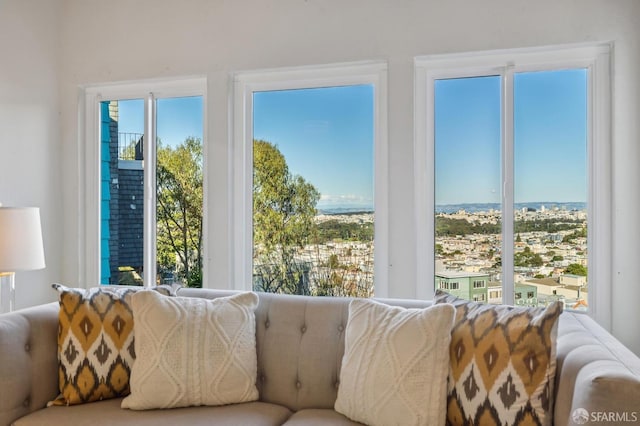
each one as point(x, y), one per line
point(527, 258)
point(576, 269)
point(179, 210)
point(447, 226)
point(284, 208)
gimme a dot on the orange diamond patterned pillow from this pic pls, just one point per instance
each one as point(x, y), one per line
point(95, 343)
point(502, 363)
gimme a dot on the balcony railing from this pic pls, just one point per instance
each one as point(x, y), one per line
point(130, 146)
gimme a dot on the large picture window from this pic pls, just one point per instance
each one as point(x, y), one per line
point(512, 175)
point(309, 180)
point(150, 176)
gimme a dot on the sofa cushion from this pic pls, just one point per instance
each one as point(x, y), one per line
point(193, 351)
point(319, 417)
point(109, 413)
point(395, 364)
point(503, 363)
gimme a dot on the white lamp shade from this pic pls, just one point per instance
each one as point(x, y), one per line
point(21, 246)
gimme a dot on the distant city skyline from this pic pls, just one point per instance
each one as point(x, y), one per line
point(485, 207)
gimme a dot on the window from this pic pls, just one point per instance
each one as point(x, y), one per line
point(145, 135)
point(518, 295)
point(478, 284)
point(479, 298)
point(310, 180)
point(455, 285)
point(492, 131)
point(313, 218)
point(530, 294)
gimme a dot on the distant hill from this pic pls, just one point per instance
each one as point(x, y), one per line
point(346, 210)
point(484, 207)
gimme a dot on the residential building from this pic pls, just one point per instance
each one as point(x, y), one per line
point(466, 285)
point(479, 288)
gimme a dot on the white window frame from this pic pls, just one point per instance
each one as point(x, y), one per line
point(241, 147)
point(595, 57)
point(90, 166)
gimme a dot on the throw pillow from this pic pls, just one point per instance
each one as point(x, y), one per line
point(193, 351)
point(503, 363)
point(395, 364)
point(95, 343)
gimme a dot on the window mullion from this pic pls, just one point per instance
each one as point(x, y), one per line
point(149, 163)
point(507, 187)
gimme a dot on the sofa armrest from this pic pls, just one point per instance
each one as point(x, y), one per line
point(28, 360)
point(596, 373)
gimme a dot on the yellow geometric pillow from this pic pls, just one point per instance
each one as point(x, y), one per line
point(95, 344)
point(502, 363)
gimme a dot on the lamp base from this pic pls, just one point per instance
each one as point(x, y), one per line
point(7, 292)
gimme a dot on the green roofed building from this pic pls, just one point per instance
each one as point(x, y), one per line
point(477, 287)
point(466, 285)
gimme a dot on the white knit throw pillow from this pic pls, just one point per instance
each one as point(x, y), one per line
point(395, 365)
point(193, 351)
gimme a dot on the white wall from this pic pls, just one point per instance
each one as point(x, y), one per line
point(30, 160)
point(116, 40)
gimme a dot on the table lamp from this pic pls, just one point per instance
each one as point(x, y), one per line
point(21, 248)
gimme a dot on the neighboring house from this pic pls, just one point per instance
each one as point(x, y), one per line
point(477, 287)
point(122, 201)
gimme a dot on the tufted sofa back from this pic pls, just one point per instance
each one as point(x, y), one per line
point(305, 374)
point(300, 343)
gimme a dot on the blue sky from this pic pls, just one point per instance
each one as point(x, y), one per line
point(177, 119)
point(550, 138)
point(326, 136)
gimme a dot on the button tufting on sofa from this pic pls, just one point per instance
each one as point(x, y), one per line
point(298, 384)
point(26, 402)
point(341, 328)
point(303, 329)
point(266, 324)
point(27, 348)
